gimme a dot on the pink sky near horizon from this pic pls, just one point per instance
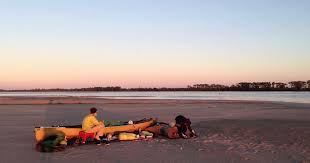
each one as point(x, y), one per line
point(67, 68)
point(28, 67)
point(55, 75)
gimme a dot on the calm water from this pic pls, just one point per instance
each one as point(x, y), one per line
point(300, 97)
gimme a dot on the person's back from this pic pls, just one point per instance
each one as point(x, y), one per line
point(89, 122)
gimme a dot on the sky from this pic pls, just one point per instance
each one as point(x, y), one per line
point(162, 43)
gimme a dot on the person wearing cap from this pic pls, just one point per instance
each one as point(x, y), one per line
point(91, 124)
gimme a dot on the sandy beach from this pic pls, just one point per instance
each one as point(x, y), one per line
point(229, 131)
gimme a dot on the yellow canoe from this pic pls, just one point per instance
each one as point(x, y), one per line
point(71, 132)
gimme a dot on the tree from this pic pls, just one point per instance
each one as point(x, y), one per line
point(273, 84)
point(308, 84)
point(297, 84)
point(261, 85)
point(201, 86)
point(280, 85)
point(244, 85)
point(266, 85)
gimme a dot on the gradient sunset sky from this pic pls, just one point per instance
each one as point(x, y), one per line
point(152, 43)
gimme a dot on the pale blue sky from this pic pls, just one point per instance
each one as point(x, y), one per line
point(152, 43)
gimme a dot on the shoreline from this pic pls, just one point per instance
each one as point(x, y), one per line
point(46, 100)
point(93, 97)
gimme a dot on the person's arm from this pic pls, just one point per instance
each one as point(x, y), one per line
point(95, 121)
point(102, 123)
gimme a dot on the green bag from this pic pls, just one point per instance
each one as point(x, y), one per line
point(52, 143)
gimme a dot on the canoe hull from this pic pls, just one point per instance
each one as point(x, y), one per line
point(43, 132)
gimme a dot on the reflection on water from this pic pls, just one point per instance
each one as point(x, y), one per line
point(301, 97)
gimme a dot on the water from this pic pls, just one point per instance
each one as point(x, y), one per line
point(299, 97)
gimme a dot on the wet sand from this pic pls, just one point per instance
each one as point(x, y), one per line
point(229, 131)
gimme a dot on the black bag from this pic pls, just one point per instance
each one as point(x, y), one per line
point(184, 127)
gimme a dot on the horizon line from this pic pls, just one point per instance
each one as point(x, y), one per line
point(307, 82)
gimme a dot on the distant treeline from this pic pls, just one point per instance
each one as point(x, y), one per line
point(243, 86)
point(255, 86)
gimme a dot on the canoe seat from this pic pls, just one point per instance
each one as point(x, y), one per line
point(83, 136)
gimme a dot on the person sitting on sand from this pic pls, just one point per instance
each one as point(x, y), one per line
point(181, 128)
point(91, 124)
